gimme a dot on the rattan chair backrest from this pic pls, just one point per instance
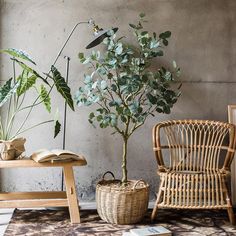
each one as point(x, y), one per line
point(194, 145)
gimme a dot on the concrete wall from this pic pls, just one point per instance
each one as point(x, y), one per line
point(203, 44)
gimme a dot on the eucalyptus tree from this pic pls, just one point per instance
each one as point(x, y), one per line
point(128, 83)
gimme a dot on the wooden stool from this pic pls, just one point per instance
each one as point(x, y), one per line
point(66, 198)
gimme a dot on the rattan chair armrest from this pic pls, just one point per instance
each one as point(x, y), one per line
point(225, 171)
point(163, 169)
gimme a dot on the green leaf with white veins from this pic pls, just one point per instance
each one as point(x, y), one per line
point(29, 70)
point(25, 82)
point(18, 53)
point(45, 98)
point(62, 87)
point(7, 90)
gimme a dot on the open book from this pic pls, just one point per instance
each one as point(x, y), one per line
point(55, 155)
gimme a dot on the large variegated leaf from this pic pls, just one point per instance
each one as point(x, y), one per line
point(18, 53)
point(62, 87)
point(25, 82)
point(30, 70)
point(7, 90)
point(45, 98)
point(57, 128)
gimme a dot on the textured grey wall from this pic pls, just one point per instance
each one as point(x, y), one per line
point(203, 44)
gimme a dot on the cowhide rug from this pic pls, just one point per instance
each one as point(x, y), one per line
point(180, 222)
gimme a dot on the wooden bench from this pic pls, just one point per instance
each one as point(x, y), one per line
point(66, 198)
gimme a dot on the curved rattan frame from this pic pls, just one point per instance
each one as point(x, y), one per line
point(196, 176)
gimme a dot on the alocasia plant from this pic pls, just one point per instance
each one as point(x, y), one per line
point(13, 94)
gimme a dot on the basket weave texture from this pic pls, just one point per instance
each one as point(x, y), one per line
point(122, 205)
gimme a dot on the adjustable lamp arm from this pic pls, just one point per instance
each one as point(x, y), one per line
point(69, 36)
point(99, 34)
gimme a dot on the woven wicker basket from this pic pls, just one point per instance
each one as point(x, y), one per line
point(122, 205)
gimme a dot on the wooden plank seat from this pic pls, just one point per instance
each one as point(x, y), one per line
point(66, 198)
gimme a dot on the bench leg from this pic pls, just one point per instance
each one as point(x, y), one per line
point(71, 194)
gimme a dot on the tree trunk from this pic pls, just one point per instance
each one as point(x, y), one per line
point(124, 161)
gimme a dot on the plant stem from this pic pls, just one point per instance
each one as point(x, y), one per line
point(19, 109)
point(11, 107)
point(35, 102)
point(26, 118)
point(124, 161)
point(30, 110)
point(7, 119)
point(14, 80)
point(1, 129)
point(41, 123)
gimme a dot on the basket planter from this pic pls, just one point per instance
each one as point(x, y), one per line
point(12, 149)
point(118, 204)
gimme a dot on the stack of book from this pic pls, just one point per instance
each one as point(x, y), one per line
point(149, 231)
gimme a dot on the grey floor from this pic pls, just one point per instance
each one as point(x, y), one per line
point(5, 217)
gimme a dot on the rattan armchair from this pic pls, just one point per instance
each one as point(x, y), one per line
point(196, 172)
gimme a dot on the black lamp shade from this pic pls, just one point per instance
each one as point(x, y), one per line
point(101, 35)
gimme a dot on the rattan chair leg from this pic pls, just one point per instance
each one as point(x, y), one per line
point(229, 206)
point(154, 212)
point(155, 208)
point(231, 215)
point(230, 211)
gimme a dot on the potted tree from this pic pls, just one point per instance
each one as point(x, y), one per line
point(127, 88)
point(14, 97)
